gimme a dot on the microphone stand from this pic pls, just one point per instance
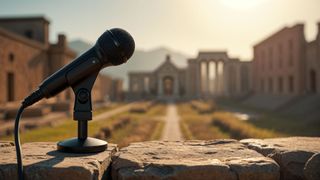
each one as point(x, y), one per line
point(83, 113)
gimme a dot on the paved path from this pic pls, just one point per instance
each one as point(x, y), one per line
point(113, 112)
point(171, 131)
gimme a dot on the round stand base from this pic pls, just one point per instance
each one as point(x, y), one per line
point(75, 145)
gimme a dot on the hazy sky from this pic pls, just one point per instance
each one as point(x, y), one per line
point(183, 25)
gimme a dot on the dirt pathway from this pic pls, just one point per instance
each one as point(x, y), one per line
point(171, 131)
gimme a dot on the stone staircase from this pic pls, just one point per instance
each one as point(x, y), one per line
point(304, 106)
point(268, 102)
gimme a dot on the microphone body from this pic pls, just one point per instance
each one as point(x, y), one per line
point(72, 73)
point(113, 47)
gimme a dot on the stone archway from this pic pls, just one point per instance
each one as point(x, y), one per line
point(168, 85)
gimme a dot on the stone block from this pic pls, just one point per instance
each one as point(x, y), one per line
point(42, 161)
point(290, 153)
point(312, 168)
point(33, 111)
point(216, 159)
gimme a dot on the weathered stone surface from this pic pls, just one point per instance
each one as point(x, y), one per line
point(312, 168)
point(290, 153)
point(42, 161)
point(6, 144)
point(217, 159)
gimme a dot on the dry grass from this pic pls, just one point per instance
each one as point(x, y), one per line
point(197, 126)
point(137, 130)
point(219, 124)
point(203, 107)
point(141, 127)
point(201, 128)
point(239, 129)
point(142, 107)
point(288, 125)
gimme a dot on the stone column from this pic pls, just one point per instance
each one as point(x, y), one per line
point(222, 80)
point(197, 79)
point(216, 81)
point(176, 86)
point(207, 78)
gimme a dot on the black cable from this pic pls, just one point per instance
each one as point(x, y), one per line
point(28, 101)
point(17, 143)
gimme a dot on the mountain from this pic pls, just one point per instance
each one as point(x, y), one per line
point(140, 61)
point(79, 46)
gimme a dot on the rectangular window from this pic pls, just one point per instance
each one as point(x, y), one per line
point(10, 86)
point(270, 58)
point(262, 85)
point(291, 84)
point(262, 60)
point(280, 56)
point(270, 85)
point(146, 84)
point(291, 53)
point(280, 85)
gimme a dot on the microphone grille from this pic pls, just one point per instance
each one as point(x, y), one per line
point(116, 46)
point(125, 40)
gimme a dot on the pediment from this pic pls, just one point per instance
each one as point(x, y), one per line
point(167, 67)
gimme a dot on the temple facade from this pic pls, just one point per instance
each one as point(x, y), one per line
point(210, 74)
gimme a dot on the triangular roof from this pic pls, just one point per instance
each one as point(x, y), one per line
point(167, 66)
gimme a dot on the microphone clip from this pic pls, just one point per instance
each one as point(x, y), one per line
point(83, 113)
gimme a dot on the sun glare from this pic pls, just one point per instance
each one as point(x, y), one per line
point(241, 4)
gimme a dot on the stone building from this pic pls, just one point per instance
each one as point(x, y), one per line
point(313, 64)
point(211, 74)
point(285, 64)
point(27, 58)
point(215, 74)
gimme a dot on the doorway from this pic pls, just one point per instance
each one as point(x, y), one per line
point(168, 86)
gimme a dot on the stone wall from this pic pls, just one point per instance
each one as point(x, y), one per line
point(281, 158)
point(24, 59)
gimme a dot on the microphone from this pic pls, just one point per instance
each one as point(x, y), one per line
point(112, 48)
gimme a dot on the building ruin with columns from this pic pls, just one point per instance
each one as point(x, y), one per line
point(210, 74)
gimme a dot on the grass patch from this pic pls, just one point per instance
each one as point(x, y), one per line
point(106, 108)
point(197, 126)
point(141, 127)
point(156, 135)
point(186, 131)
point(239, 129)
point(216, 125)
point(278, 123)
point(157, 110)
point(201, 128)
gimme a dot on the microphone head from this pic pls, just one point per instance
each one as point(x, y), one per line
point(116, 46)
